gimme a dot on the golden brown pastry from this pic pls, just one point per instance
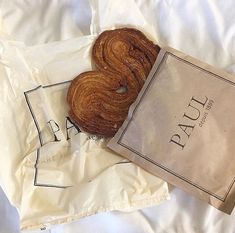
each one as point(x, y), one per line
point(124, 58)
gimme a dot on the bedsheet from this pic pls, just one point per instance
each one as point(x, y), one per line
point(204, 29)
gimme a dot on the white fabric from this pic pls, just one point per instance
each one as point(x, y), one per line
point(204, 29)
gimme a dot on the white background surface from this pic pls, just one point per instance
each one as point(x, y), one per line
point(204, 29)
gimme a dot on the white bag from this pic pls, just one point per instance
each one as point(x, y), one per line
point(49, 170)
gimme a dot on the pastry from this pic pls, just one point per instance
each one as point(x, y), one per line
point(99, 100)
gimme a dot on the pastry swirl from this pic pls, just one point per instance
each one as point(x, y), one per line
point(123, 58)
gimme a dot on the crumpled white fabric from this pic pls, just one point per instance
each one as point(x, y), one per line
point(40, 21)
point(203, 29)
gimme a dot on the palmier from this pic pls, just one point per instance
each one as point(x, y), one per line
point(99, 100)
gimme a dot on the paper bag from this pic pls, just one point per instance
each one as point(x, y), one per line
point(181, 128)
point(51, 171)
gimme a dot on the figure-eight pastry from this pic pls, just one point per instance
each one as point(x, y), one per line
point(99, 100)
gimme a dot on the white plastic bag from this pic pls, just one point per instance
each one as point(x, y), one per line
point(50, 170)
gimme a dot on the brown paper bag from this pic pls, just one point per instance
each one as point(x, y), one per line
point(182, 128)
